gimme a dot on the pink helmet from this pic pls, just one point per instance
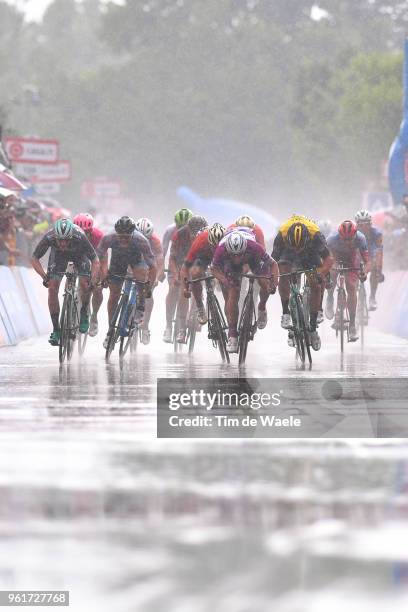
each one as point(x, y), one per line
point(85, 221)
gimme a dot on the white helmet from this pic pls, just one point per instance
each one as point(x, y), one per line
point(215, 233)
point(236, 243)
point(145, 226)
point(363, 216)
point(325, 226)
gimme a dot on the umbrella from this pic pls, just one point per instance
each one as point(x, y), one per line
point(9, 181)
point(6, 193)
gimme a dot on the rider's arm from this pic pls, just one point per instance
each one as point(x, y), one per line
point(149, 259)
point(40, 250)
point(95, 268)
point(102, 253)
point(216, 267)
point(278, 246)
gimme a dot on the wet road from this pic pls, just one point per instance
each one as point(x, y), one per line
point(92, 502)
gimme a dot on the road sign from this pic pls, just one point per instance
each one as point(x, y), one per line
point(47, 188)
point(100, 189)
point(32, 150)
point(44, 173)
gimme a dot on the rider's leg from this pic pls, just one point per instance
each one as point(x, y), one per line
point(171, 300)
point(114, 294)
point(284, 286)
point(373, 283)
point(232, 310)
point(53, 302)
point(182, 308)
point(315, 302)
point(84, 292)
point(97, 299)
point(197, 288)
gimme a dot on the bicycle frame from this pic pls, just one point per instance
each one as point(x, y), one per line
point(69, 319)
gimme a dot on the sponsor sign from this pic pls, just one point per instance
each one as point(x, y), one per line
point(44, 173)
point(32, 150)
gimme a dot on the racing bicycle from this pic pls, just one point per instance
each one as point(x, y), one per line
point(216, 322)
point(247, 325)
point(69, 319)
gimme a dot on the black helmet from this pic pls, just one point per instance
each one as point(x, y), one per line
point(298, 236)
point(196, 224)
point(125, 225)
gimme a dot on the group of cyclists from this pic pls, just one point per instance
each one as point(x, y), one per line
point(197, 248)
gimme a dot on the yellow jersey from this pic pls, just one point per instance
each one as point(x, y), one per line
point(311, 225)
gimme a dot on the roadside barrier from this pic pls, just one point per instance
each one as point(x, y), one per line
point(23, 305)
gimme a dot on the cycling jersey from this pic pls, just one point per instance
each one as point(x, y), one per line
point(316, 247)
point(181, 243)
point(132, 255)
point(374, 240)
point(168, 237)
point(94, 236)
point(78, 246)
point(346, 250)
point(255, 256)
point(155, 245)
point(200, 250)
point(256, 230)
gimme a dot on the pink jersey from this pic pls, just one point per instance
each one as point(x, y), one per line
point(95, 236)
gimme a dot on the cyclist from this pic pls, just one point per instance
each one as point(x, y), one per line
point(145, 227)
point(230, 257)
point(128, 247)
point(180, 218)
point(245, 221)
point(326, 227)
point(86, 222)
point(300, 245)
point(348, 246)
point(374, 240)
point(197, 261)
point(67, 243)
point(182, 241)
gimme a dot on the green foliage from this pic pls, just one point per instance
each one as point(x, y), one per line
point(241, 97)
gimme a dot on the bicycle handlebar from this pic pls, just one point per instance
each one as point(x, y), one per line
point(254, 276)
point(202, 278)
point(297, 272)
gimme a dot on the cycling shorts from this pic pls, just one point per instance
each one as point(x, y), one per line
point(58, 261)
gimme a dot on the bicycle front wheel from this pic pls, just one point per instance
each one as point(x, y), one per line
point(114, 327)
point(245, 329)
point(64, 327)
point(216, 324)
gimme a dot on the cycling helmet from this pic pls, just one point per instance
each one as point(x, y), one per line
point(298, 236)
point(245, 221)
point(182, 216)
point(215, 233)
point(125, 225)
point(85, 221)
point(64, 229)
point(325, 226)
point(347, 229)
point(196, 223)
point(363, 216)
point(145, 226)
point(236, 243)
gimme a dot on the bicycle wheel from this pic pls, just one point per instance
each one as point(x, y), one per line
point(297, 331)
point(245, 329)
point(64, 327)
point(114, 327)
point(217, 326)
point(73, 325)
point(134, 341)
point(304, 327)
point(126, 341)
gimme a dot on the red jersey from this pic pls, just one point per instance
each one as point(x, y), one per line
point(258, 233)
point(95, 236)
point(155, 245)
point(180, 246)
point(200, 249)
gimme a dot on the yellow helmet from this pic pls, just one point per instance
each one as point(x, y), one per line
point(298, 236)
point(245, 221)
